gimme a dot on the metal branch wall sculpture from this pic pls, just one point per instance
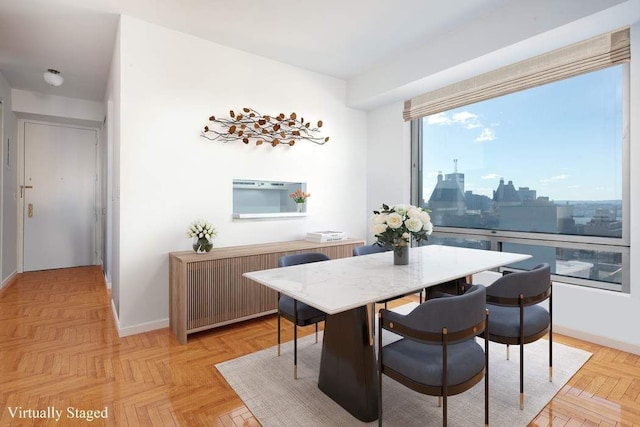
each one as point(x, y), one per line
point(249, 126)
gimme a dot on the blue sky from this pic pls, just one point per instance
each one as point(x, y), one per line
point(563, 139)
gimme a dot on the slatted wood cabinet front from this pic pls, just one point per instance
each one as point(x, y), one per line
point(208, 290)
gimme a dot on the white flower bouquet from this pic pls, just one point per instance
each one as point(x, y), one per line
point(202, 233)
point(395, 226)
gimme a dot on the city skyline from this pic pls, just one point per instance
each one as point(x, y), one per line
point(578, 121)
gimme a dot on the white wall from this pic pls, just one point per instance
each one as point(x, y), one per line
point(112, 107)
point(169, 175)
point(8, 216)
point(388, 154)
point(602, 316)
point(58, 109)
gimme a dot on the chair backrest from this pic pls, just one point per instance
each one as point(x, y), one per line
point(534, 285)
point(303, 258)
point(369, 249)
point(456, 313)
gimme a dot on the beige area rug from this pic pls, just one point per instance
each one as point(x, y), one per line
point(265, 384)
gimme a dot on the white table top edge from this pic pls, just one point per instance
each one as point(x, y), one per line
point(347, 283)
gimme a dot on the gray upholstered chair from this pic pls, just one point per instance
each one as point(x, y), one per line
point(370, 249)
point(516, 317)
point(438, 354)
point(299, 313)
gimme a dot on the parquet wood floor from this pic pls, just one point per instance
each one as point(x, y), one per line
point(59, 349)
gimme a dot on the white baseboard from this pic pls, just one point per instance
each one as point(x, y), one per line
point(136, 329)
point(8, 280)
point(116, 320)
point(107, 281)
point(597, 339)
point(143, 327)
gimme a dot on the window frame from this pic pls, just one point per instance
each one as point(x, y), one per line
point(497, 237)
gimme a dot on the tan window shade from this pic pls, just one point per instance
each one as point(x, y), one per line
point(589, 55)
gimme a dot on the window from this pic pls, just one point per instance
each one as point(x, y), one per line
point(539, 171)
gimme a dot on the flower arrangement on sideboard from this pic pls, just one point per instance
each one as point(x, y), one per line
point(202, 233)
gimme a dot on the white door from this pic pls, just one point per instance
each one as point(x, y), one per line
point(59, 196)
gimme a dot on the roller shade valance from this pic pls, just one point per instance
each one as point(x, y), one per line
point(579, 58)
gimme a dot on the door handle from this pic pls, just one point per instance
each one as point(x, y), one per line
point(30, 210)
point(22, 187)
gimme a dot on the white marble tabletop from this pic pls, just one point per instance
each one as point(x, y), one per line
point(342, 284)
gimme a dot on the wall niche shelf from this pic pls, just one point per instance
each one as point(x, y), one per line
point(257, 199)
point(269, 215)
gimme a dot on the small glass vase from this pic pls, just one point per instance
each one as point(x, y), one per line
point(300, 207)
point(400, 255)
point(202, 245)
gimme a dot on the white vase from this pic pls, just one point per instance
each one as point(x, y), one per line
point(300, 207)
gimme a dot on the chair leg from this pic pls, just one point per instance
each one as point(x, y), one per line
point(486, 369)
point(295, 352)
point(521, 338)
point(379, 367)
point(295, 339)
point(278, 332)
point(444, 410)
point(445, 375)
point(550, 358)
point(316, 333)
point(521, 376)
point(550, 333)
point(507, 351)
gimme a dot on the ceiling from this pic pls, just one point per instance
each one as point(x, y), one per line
point(341, 38)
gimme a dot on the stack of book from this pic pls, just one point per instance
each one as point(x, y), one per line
point(325, 236)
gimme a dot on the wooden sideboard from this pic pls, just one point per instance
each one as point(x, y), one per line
point(208, 290)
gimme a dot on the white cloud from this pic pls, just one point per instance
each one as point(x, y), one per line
point(438, 119)
point(467, 119)
point(486, 135)
point(463, 118)
point(491, 176)
point(556, 178)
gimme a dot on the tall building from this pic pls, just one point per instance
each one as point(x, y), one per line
point(447, 197)
point(506, 194)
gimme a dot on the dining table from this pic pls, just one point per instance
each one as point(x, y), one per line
point(347, 289)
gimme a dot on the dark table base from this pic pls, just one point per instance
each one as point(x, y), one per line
point(348, 365)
